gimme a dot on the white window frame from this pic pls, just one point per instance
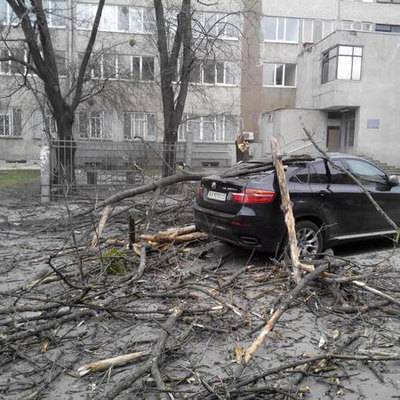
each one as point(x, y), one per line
point(9, 62)
point(219, 135)
point(133, 134)
point(327, 32)
point(304, 21)
point(223, 19)
point(285, 19)
point(9, 115)
point(216, 83)
point(283, 77)
point(141, 68)
point(10, 17)
point(115, 19)
point(50, 6)
point(90, 119)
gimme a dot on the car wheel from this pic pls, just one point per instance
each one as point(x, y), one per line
point(309, 239)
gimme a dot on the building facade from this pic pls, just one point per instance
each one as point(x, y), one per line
point(330, 66)
point(262, 66)
point(122, 92)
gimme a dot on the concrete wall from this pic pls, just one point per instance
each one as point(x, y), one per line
point(287, 127)
point(376, 95)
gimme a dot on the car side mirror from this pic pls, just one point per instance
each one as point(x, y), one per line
point(394, 180)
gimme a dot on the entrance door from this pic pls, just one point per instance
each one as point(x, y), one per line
point(333, 139)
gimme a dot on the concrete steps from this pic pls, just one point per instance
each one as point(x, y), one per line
point(389, 169)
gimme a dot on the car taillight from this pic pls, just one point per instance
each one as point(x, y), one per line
point(254, 196)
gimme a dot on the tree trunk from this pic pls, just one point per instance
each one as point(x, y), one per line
point(64, 173)
point(169, 164)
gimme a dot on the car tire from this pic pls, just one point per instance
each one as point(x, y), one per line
point(309, 239)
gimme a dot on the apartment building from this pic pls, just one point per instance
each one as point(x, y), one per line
point(329, 65)
point(264, 67)
point(125, 62)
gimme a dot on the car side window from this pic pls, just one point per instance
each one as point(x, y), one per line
point(366, 171)
point(338, 177)
point(318, 172)
point(301, 176)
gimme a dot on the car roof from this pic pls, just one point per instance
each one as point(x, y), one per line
point(336, 155)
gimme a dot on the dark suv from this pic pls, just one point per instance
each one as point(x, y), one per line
point(243, 205)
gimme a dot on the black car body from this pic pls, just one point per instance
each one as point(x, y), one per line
point(243, 205)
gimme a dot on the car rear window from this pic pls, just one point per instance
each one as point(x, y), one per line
point(301, 176)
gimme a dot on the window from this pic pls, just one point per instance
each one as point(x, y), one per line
point(139, 124)
point(318, 172)
point(121, 66)
point(101, 66)
point(117, 18)
point(387, 28)
point(137, 68)
point(10, 122)
point(7, 15)
point(85, 15)
point(12, 66)
point(212, 128)
point(55, 13)
point(216, 25)
point(337, 176)
point(366, 171)
point(307, 31)
point(279, 75)
point(136, 19)
point(301, 176)
point(109, 18)
point(342, 62)
point(90, 124)
point(280, 29)
point(215, 73)
point(327, 28)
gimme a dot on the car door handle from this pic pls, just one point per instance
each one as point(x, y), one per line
point(323, 192)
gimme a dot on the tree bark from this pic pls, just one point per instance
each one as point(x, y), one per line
point(174, 83)
point(42, 56)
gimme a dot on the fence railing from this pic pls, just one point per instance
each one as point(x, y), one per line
point(85, 169)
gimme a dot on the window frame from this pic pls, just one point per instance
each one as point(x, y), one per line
point(303, 24)
point(283, 86)
point(226, 65)
point(325, 61)
point(132, 125)
point(278, 27)
point(220, 122)
point(11, 113)
point(362, 178)
point(51, 6)
point(143, 22)
point(6, 116)
point(89, 119)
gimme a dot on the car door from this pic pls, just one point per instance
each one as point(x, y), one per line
point(340, 200)
point(386, 195)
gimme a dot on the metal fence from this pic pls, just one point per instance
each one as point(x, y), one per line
point(94, 169)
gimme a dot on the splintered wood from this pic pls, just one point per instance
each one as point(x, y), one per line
point(165, 239)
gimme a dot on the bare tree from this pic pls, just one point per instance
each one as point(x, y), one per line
point(41, 63)
point(173, 98)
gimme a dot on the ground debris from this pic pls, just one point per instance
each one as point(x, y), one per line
point(190, 309)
